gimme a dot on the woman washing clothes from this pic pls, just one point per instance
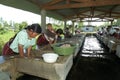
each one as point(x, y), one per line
point(49, 37)
point(24, 40)
point(52, 35)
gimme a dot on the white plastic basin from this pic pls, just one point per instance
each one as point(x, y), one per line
point(50, 57)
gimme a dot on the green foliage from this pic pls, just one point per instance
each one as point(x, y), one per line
point(1, 45)
point(22, 25)
point(80, 24)
point(2, 31)
point(0, 25)
point(56, 26)
point(5, 37)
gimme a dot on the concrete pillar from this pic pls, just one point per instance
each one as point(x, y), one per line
point(43, 20)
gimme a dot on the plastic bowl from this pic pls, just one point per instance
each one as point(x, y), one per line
point(50, 57)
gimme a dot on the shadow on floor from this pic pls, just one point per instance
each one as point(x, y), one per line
point(92, 68)
point(29, 77)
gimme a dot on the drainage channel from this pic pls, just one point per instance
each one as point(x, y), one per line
point(92, 47)
point(95, 62)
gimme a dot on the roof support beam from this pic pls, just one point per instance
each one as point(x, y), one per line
point(84, 4)
point(107, 11)
point(110, 12)
point(83, 0)
point(52, 2)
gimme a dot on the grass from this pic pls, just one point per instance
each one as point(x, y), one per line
point(4, 38)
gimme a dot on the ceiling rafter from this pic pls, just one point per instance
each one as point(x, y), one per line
point(82, 14)
point(68, 1)
point(70, 9)
point(110, 11)
point(102, 15)
point(59, 13)
point(85, 15)
point(83, 11)
point(107, 11)
point(53, 2)
point(73, 10)
point(89, 13)
point(77, 14)
point(112, 16)
point(82, 0)
point(113, 7)
point(92, 9)
point(84, 4)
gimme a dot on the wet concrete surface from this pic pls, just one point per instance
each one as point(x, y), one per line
point(93, 62)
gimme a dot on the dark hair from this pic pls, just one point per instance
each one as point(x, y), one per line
point(35, 27)
point(49, 24)
point(60, 31)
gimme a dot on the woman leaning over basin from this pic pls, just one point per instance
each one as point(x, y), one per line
point(24, 40)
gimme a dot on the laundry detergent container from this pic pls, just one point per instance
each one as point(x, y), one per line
point(64, 48)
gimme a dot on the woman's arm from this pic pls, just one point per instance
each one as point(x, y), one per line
point(29, 50)
point(48, 39)
point(56, 37)
point(21, 50)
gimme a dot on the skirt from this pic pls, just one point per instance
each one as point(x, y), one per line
point(7, 50)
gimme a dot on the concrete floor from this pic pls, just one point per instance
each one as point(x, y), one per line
point(92, 63)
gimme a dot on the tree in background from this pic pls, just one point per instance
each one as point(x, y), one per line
point(22, 25)
point(80, 24)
